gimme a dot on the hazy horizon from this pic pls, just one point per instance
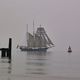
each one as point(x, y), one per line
point(60, 18)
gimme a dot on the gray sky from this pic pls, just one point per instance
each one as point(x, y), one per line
point(60, 18)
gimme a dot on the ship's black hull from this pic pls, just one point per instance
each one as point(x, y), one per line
point(33, 49)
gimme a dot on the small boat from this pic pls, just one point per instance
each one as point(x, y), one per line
point(69, 49)
point(38, 41)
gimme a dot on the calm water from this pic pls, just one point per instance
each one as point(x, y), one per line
point(51, 65)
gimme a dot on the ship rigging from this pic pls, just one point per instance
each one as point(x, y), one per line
point(38, 41)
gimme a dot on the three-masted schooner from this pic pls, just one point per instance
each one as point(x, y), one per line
point(38, 41)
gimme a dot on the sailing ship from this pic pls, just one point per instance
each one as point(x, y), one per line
point(38, 41)
point(69, 49)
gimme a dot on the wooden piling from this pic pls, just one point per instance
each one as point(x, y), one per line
point(9, 49)
point(3, 54)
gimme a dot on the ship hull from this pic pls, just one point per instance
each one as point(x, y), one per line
point(33, 49)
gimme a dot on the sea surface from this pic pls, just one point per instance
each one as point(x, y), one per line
point(50, 65)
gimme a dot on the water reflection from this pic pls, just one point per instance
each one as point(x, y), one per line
point(9, 68)
point(36, 63)
point(37, 53)
point(5, 69)
point(6, 65)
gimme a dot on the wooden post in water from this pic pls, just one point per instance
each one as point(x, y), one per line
point(9, 49)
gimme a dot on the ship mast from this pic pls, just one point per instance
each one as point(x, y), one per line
point(33, 35)
point(40, 37)
point(33, 29)
point(27, 35)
